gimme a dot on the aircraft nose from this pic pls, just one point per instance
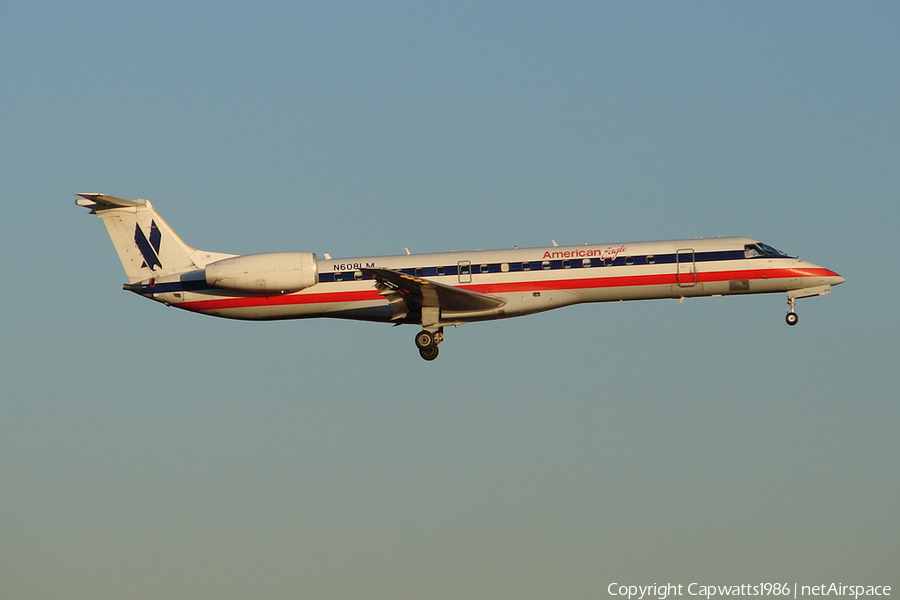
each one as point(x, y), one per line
point(815, 275)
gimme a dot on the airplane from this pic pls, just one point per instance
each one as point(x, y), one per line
point(437, 290)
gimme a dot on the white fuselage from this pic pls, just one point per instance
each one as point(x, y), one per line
point(436, 290)
point(528, 280)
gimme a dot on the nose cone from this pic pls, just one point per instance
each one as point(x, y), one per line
point(833, 278)
point(811, 275)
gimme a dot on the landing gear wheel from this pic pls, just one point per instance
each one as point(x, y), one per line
point(429, 353)
point(791, 318)
point(424, 341)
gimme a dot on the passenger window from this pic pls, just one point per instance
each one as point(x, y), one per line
point(338, 276)
point(651, 260)
point(526, 266)
point(440, 270)
point(504, 267)
point(586, 262)
point(485, 268)
point(629, 260)
point(607, 261)
point(567, 264)
point(545, 265)
point(419, 272)
point(358, 275)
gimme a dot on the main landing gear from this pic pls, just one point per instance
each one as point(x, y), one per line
point(427, 343)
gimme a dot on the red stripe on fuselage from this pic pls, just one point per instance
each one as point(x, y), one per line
point(654, 279)
point(280, 300)
point(509, 287)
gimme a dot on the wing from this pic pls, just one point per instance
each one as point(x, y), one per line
point(418, 293)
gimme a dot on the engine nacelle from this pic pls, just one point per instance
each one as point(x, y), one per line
point(270, 272)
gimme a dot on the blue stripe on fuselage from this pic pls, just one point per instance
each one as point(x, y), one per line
point(477, 268)
point(538, 265)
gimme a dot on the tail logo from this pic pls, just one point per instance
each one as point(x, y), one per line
point(149, 247)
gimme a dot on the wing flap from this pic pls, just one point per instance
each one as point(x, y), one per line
point(427, 293)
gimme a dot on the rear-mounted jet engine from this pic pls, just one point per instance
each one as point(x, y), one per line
point(270, 272)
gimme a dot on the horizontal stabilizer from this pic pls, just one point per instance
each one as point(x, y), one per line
point(103, 202)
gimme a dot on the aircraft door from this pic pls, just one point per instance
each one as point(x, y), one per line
point(465, 271)
point(686, 268)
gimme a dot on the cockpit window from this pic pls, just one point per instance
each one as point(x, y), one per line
point(760, 249)
point(770, 251)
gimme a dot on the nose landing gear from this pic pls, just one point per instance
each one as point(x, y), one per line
point(791, 318)
point(427, 343)
point(793, 295)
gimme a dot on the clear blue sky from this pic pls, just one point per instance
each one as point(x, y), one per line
point(148, 453)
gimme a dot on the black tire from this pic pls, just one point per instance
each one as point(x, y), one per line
point(424, 340)
point(791, 318)
point(429, 353)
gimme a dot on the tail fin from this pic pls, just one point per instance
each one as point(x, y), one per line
point(146, 245)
